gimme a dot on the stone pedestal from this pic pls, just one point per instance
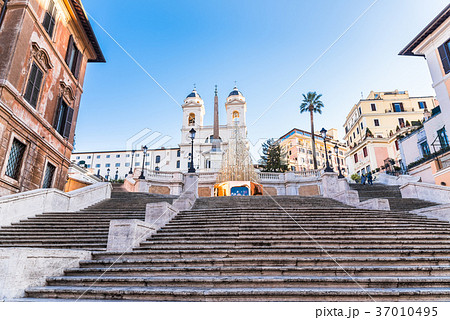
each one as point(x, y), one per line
point(343, 184)
point(191, 183)
point(126, 234)
point(185, 201)
point(330, 184)
point(215, 156)
point(291, 186)
point(160, 213)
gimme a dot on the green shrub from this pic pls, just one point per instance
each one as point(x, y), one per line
point(355, 177)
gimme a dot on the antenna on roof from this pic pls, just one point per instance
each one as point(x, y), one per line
point(362, 96)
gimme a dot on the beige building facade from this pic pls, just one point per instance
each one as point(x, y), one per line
point(297, 145)
point(427, 151)
point(374, 126)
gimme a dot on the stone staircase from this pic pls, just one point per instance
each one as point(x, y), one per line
point(250, 249)
point(86, 229)
point(392, 193)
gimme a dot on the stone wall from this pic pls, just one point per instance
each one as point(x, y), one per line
point(204, 191)
point(271, 191)
point(21, 268)
point(159, 189)
point(309, 190)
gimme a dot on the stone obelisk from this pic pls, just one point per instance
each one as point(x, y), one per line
point(216, 137)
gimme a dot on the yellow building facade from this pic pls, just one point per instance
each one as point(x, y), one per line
point(374, 125)
point(297, 146)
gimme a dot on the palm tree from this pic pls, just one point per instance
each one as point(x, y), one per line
point(311, 102)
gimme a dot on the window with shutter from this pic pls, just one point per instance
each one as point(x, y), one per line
point(422, 104)
point(398, 107)
point(69, 52)
point(76, 69)
point(60, 115)
point(74, 58)
point(50, 18)
point(443, 139)
point(444, 53)
point(63, 119)
point(34, 85)
point(68, 125)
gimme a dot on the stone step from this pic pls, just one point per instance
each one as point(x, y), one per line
point(266, 253)
point(19, 234)
point(242, 294)
point(247, 249)
point(284, 217)
point(90, 246)
point(293, 245)
point(298, 231)
point(47, 241)
point(299, 228)
point(52, 227)
point(157, 238)
point(52, 236)
point(250, 225)
point(59, 224)
point(369, 271)
point(300, 214)
point(290, 219)
point(252, 281)
point(276, 224)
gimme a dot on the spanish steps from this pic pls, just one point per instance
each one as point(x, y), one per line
point(282, 248)
point(86, 229)
point(392, 193)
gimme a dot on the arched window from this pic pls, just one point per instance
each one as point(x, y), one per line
point(191, 120)
point(158, 159)
point(235, 114)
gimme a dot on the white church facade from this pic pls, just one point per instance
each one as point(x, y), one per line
point(208, 153)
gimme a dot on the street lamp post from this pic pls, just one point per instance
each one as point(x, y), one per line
point(191, 167)
point(144, 148)
point(336, 150)
point(323, 132)
point(132, 158)
point(107, 174)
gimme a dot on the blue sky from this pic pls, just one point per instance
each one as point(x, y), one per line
point(263, 45)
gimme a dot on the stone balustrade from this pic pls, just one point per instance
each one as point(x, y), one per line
point(288, 183)
point(14, 208)
point(426, 191)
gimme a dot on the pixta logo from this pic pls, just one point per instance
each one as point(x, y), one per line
point(149, 138)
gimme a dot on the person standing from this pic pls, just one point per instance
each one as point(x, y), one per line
point(363, 179)
point(369, 178)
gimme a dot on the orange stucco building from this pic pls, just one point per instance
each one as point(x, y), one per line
point(45, 47)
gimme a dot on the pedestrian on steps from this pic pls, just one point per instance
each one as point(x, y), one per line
point(363, 179)
point(369, 178)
